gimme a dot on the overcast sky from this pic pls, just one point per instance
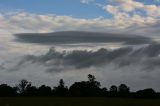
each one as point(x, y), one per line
point(45, 40)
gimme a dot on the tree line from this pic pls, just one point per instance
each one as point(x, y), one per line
point(92, 87)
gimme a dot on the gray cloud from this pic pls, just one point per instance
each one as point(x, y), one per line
point(2, 67)
point(146, 58)
point(70, 37)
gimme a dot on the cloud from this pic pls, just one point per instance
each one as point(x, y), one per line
point(157, 1)
point(145, 58)
point(86, 1)
point(132, 9)
point(137, 65)
point(2, 67)
point(76, 37)
point(23, 22)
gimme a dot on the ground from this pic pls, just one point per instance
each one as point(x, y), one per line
point(78, 101)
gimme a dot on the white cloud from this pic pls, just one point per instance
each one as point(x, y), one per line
point(86, 1)
point(128, 6)
point(20, 22)
point(26, 22)
point(122, 22)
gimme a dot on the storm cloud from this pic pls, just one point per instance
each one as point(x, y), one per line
point(71, 37)
point(146, 58)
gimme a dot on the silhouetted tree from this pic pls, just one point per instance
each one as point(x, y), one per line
point(44, 91)
point(123, 90)
point(93, 82)
point(91, 78)
point(104, 92)
point(31, 90)
point(61, 89)
point(86, 88)
point(79, 89)
point(61, 83)
point(22, 86)
point(113, 90)
point(146, 93)
point(6, 90)
point(91, 87)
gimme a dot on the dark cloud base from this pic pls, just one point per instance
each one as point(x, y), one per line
point(146, 58)
point(69, 37)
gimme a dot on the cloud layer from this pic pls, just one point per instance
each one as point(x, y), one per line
point(76, 37)
point(145, 58)
point(136, 66)
point(124, 7)
point(21, 22)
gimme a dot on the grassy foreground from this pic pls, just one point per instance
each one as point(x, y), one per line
point(71, 101)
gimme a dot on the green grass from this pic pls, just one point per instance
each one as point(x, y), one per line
point(77, 101)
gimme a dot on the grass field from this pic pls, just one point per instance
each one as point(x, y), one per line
point(60, 101)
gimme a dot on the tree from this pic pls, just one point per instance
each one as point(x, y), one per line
point(22, 86)
point(31, 90)
point(123, 90)
point(146, 93)
point(61, 83)
point(61, 89)
point(93, 82)
point(113, 90)
point(44, 91)
point(6, 90)
point(91, 78)
point(86, 88)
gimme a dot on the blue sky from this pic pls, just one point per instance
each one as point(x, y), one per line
point(61, 7)
point(79, 14)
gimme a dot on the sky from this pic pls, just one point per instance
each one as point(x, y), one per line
point(43, 41)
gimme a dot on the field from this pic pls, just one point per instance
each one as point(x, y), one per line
point(70, 101)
